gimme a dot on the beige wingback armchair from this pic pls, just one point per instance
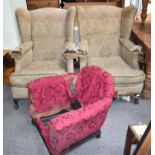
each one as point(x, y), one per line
point(104, 33)
point(45, 34)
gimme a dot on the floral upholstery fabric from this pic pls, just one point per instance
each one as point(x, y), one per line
point(94, 90)
point(93, 84)
point(48, 91)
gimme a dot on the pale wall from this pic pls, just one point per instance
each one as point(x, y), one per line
point(11, 37)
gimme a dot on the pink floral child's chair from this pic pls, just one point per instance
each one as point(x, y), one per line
point(93, 89)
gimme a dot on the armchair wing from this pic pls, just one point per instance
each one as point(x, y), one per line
point(69, 44)
point(24, 23)
point(83, 44)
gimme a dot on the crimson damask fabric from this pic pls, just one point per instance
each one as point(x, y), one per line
point(48, 91)
point(93, 84)
point(94, 90)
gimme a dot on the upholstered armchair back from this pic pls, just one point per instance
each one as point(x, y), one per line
point(102, 27)
point(48, 29)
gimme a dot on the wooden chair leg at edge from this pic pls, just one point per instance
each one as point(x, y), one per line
point(130, 139)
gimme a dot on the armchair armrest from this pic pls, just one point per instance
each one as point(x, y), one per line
point(83, 48)
point(69, 54)
point(130, 53)
point(69, 45)
point(22, 49)
point(83, 114)
point(22, 55)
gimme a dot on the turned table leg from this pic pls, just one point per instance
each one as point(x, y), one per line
point(147, 82)
point(130, 139)
point(144, 10)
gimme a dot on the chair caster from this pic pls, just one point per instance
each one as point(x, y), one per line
point(16, 105)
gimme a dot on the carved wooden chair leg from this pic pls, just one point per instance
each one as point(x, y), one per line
point(16, 105)
point(136, 98)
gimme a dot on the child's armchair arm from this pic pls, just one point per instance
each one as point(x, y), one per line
point(70, 127)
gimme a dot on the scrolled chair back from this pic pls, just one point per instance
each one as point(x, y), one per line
point(93, 84)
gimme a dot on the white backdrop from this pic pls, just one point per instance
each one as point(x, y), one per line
point(11, 37)
point(136, 3)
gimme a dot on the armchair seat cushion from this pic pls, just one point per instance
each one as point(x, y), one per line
point(36, 70)
point(121, 72)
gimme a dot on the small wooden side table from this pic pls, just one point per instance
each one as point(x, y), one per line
point(87, 3)
point(35, 4)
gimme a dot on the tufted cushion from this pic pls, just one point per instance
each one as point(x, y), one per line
point(122, 73)
point(24, 22)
